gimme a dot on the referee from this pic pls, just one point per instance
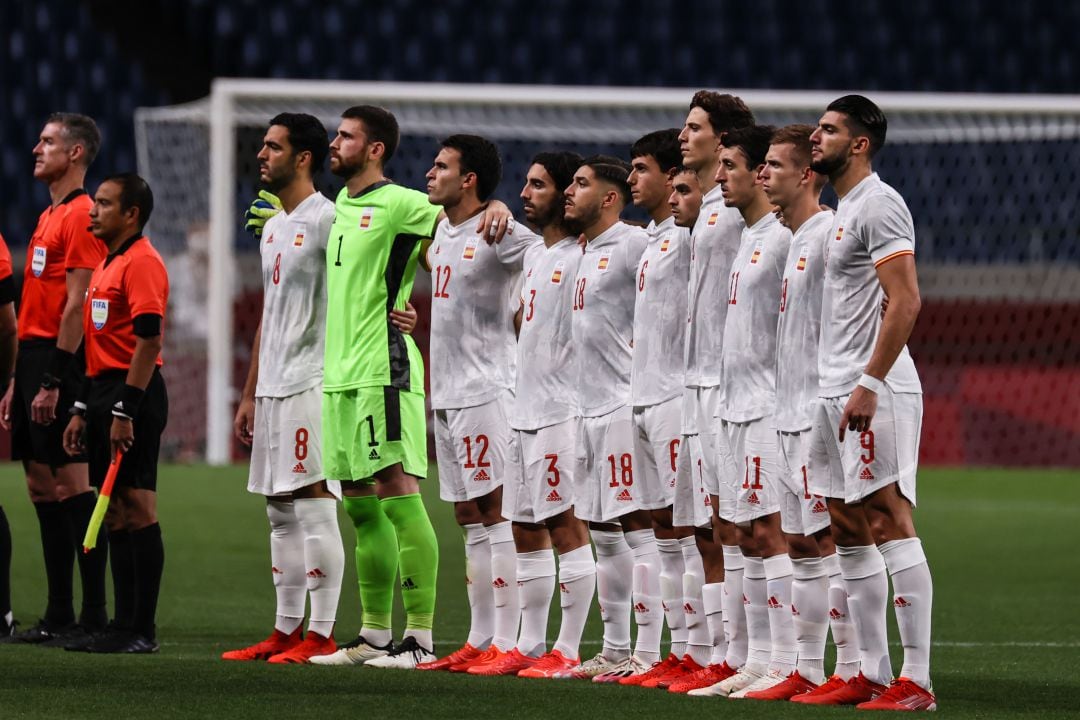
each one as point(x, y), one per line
point(123, 405)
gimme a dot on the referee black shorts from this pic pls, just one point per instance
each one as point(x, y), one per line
point(138, 469)
point(31, 441)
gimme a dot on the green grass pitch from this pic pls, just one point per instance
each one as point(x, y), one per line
point(1001, 546)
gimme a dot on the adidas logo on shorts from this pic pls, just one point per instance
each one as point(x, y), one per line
point(554, 496)
point(481, 476)
point(624, 496)
point(753, 499)
point(373, 455)
point(819, 507)
point(299, 468)
point(866, 474)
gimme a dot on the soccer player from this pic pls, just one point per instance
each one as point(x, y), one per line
point(795, 190)
point(472, 380)
point(747, 410)
point(374, 425)
point(865, 437)
point(605, 493)
point(60, 257)
point(712, 583)
point(8, 348)
point(123, 405)
point(539, 497)
point(656, 388)
point(279, 414)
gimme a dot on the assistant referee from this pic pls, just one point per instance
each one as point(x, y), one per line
point(123, 405)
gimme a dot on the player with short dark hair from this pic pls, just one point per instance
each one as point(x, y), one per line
point(61, 256)
point(865, 445)
point(123, 405)
point(280, 409)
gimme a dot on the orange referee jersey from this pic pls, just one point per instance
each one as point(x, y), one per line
point(61, 242)
point(130, 283)
point(7, 282)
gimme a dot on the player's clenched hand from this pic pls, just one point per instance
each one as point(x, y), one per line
point(43, 407)
point(859, 411)
point(266, 206)
point(496, 222)
point(244, 422)
point(5, 407)
point(121, 436)
point(404, 320)
point(73, 436)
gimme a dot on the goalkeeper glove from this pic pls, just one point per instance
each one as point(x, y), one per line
point(265, 207)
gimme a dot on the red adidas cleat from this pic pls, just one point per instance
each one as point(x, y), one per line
point(794, 684)
point(551, 665)
point(706, 676)
point(278, 642)
point(464, 654)
point(486, 656)
point(856, 690)
point(314, 644)
point(509, 663)
point(833, 683)
point(904, 695)
point(658, 670)
point(687, 666)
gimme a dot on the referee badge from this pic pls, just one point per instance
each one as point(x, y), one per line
point(37, 263)
point(99, 312)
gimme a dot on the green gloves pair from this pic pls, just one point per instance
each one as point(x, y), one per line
point(266, 206)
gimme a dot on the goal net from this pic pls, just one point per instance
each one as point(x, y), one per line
point(990, 181)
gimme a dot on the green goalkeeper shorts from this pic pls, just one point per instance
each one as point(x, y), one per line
point(370, 428)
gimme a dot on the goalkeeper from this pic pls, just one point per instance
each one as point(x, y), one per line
point(123, 405)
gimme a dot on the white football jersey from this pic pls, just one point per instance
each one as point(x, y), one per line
point(603, 318)
point(293, 253)
point(660, 315)
point(713, 244)
point(872, 225)
point(546, 375)
point(799, 327)
point(472, 323)
point(753, 300)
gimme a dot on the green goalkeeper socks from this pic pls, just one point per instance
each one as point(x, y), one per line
point(418, 556)
point(376, 559)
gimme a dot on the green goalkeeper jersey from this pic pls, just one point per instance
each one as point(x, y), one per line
point(371, 259)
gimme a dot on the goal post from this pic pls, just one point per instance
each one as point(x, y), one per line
point(199, 159)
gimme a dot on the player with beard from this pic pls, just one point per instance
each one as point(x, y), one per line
point(865, 437)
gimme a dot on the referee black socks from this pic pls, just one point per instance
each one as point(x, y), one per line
point(5, 569)
point(59, 555)
point(92, 564)
point(149, 554)
point(123, 575)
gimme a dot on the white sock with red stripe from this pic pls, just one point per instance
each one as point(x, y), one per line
point(504, 585)
point(843, 630)
point(712, 600)
point(863, 569)
point(478, 585)
point(778, 577)
point(734, 607)
point(614, 587)
point(810, 613)
point(759, 643)
point(698, 642)
point(536, 582)
point(648, 607)
point(671, 572)
point(287, 565)
point(324, 559)
point(577, 583)
point(913, 597)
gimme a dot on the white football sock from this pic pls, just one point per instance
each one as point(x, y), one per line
point(913, 596)
point(324, 560)
point(778, 577)
point(422, 636)
point(577, 582)
point(536, 582)
point(759, 643)
point(504, 585)
point(863, 569)
point(843, 630)
point(287, 565)
point(614, 586)
point(810, 613)
point(734, 607)
point(712, 601)
point(671, 572)
point(698, 642)
point(648, 606)
point(478, 585)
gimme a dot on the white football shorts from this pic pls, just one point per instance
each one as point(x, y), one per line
point(286, 444)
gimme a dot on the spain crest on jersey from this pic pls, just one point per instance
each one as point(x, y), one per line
point(602, 264)
point(470, 251)
point(839, 233)
point(665, 244)
point(801, 265)
point(756, 256)
point(366, 215)
point(99, 312)
point(713, 218)
point(298, 240)
point(556, 274)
